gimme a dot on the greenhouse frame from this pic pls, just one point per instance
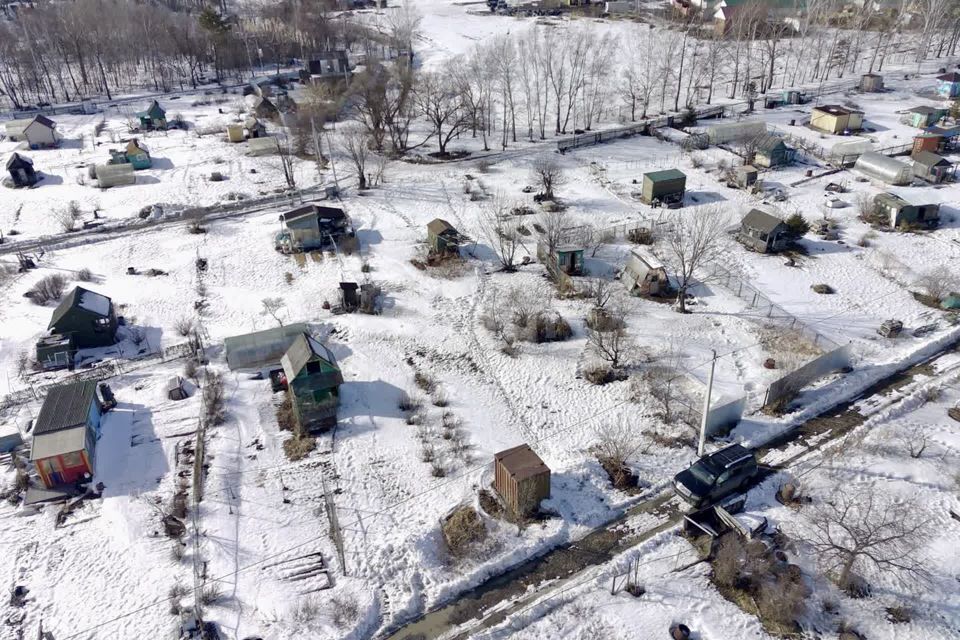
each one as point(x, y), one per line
point(736, 131)
point(884, 168)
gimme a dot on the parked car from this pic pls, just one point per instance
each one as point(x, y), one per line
point(716, 476)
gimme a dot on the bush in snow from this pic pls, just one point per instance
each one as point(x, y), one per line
point(48, 289)
point(344, 611)
point(214, 412)
point(305, 611)
point(463, 529)
point(85, 275)
point(410, 402)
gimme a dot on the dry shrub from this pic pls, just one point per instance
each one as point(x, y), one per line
point(899, 614)
point(85, 275)
point(183, 326)
point(462, 529)
point(598, 374)
point(672, 440)
point(48, 289)
point(439, 398)
point(214, 406)
point(210, 594)
point(344, 611)
point(549, 327)
point(305, 611)
point(424, 381)
point(438, 469)
point(410, 402)
point(286, 418)
point(297, 448)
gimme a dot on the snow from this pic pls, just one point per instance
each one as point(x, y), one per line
point(263, 516)
point(95, 303)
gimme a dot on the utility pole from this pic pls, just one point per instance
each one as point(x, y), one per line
point(706, 406)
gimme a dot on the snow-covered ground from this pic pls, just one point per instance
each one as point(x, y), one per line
point(107, 572)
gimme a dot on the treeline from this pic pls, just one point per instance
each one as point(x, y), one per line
point(61, 51)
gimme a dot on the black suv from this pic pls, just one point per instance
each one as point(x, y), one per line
point(716, 476)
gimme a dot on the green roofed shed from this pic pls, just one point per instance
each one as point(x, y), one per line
point(664, 187)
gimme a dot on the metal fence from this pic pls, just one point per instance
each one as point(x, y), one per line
point(100, 372)
point(785, 388)
point(766, 308)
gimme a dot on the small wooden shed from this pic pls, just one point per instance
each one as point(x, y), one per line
point(923, 116)
point(772, 151)
point(521, 479)
point(21, 171)
point(235, 133)
point(644, 275)
point(763, 232)
point(899, 213)
point(153, 117)
point(932, 142)
point(664, 187)
point(176, 389)
point(745, 176)
point(442, 237)
point(871, 83)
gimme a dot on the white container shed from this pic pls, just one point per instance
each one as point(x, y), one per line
point(884, 168)
point(736, 131)
point(115, 175)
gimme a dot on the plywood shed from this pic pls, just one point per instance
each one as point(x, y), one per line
point(871, 83)
point(114, 175)
point(235, 133)
point(884, 168)
point(746, 175)
point(266, 146)
point(833, 118)
point(521, 479)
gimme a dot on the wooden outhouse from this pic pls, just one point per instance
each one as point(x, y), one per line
point(871, 83)
point(65, 434)
point(443, 237)
point(665, 187)
point(21, 170)
point(521, 479)
point(745, 176)
point(235, 133)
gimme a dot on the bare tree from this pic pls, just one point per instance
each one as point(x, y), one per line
point(500, 231)
point(616, 442)
point(554, 225)
point(609, 340)
point(355, 143)
point(693, 241)
point(599, 290)
point(438, 99)
point(272, 306)
point(937, 282)
point(856, 527)
point(548, 174)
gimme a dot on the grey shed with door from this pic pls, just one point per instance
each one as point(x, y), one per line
point(932, 167)
point(763, 232)
point(898, 213)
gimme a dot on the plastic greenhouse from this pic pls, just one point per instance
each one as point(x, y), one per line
point(735, 131)
point(261, 349)
point(883, 168)
point(113, 175)
point(849, 151)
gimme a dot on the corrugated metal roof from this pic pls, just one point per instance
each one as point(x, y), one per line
point(46, 445)
point(521, 462)
point(930, 159)
point(65, 406)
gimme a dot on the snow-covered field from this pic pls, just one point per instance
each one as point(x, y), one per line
point(108, 570)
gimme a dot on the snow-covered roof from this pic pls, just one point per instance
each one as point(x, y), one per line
point(95, 302)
